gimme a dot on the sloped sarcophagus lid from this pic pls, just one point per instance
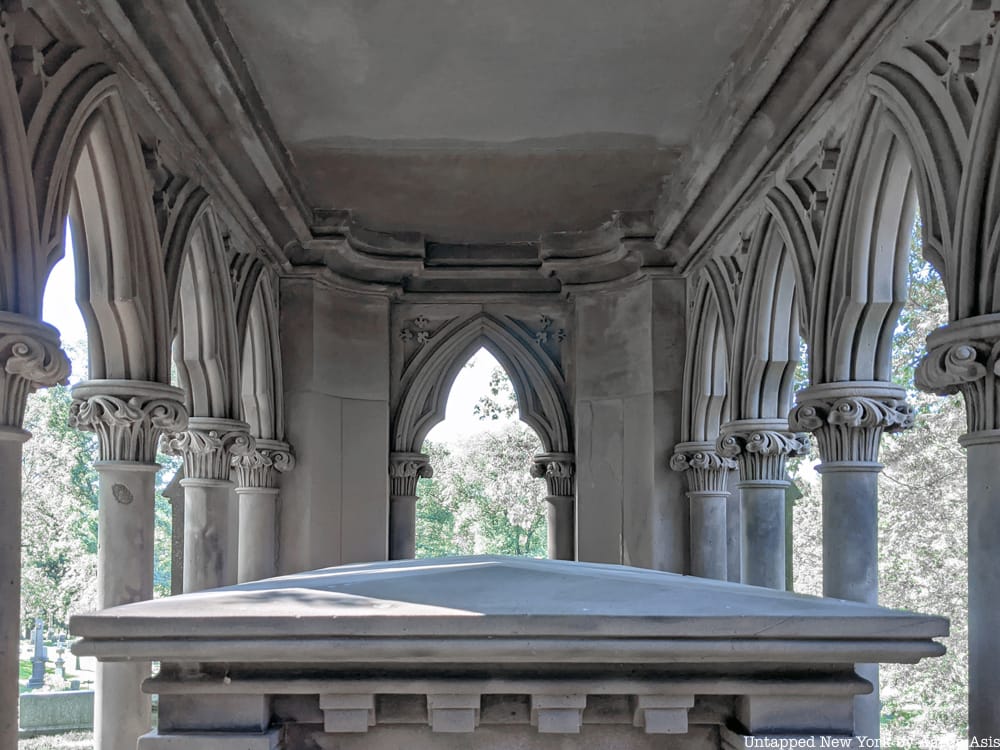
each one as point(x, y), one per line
point(404, 651)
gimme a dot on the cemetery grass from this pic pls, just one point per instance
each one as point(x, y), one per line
point(67, 741)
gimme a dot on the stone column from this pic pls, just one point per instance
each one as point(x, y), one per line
point(761, 448)
point(707, 472)
point(257, 489)
point(30, 358)
point(559, 472)
point(405, 469)
point(128, 417)
point(848, 420)
point(210, 513)
point(963, 357)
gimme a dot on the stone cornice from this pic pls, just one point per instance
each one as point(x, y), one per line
point(259, 467)
point(209, 445)
point(707, 470)
point(848, 418)
point(964, 357)
point(761, 448)
point(128, 416)
point(405, 470)
point(559, 472)
point(30, 358)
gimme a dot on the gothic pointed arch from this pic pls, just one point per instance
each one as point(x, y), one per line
point(706, 371)
point(19, 287)
point(88, 165)
point(863, 270)
point(538, 385)
point(769, 318)
point(206, 349)
point(262, 391)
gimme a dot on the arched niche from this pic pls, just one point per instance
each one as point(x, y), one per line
point(706, 371)
point(769, 318)
point(262, 393)
point(864, 268)
point(97, 179)
point(206, 350)
point(537, 385)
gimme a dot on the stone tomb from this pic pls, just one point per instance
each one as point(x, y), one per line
point(494, 652)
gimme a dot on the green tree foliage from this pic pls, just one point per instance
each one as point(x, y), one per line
point(922, 531)
point(482, 498)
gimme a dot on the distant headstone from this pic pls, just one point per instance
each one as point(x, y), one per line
point(60, 662)
point(39, 658)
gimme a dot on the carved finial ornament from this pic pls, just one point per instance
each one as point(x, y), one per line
point(30, 358)
point(208, 446)
point(128, 416)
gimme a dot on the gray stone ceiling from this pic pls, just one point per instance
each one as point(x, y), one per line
point(487, 120)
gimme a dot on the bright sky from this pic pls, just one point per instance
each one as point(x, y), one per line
point(473, 381)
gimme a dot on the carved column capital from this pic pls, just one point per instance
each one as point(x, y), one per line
point(964, 357)
point(30, 358)
point(559, 472)
point(259, 467)
point(706, 468)
point(848, 418)
point(128, 416)
point(761, 448)
point(405, 469)
point(209, 445)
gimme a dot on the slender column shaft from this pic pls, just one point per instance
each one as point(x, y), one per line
point(559, 472)
point(124, 575)
point(761, 448)
point(211, 513)
point(405, 470)
point(707, 473)
point(402, 527)
point(763, 539)
point(708, 535)
point(983, 458)
point(734, 533)
point(210, 549)
point(561, 517)
point(848, 419)
point(128, 417)
point(258, 552)
point(30, 358)
point(11, 439)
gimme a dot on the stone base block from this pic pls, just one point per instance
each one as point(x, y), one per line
point(211, 741)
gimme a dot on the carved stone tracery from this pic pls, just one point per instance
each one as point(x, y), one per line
point(761, 448)
point(849, 426)
point(129, 417)
point(707, 470)
point(209, 445)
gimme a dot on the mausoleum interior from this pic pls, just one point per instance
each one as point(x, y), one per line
point(294, 222)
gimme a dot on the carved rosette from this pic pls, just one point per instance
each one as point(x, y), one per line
point(259, 468)
point(209, 445)
point(707, 470)
point(964, 357)
point(848, 427)
point(30, 358)
point(405, 469)
point(559, 472)
point(128, 416)
point(761, 448)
